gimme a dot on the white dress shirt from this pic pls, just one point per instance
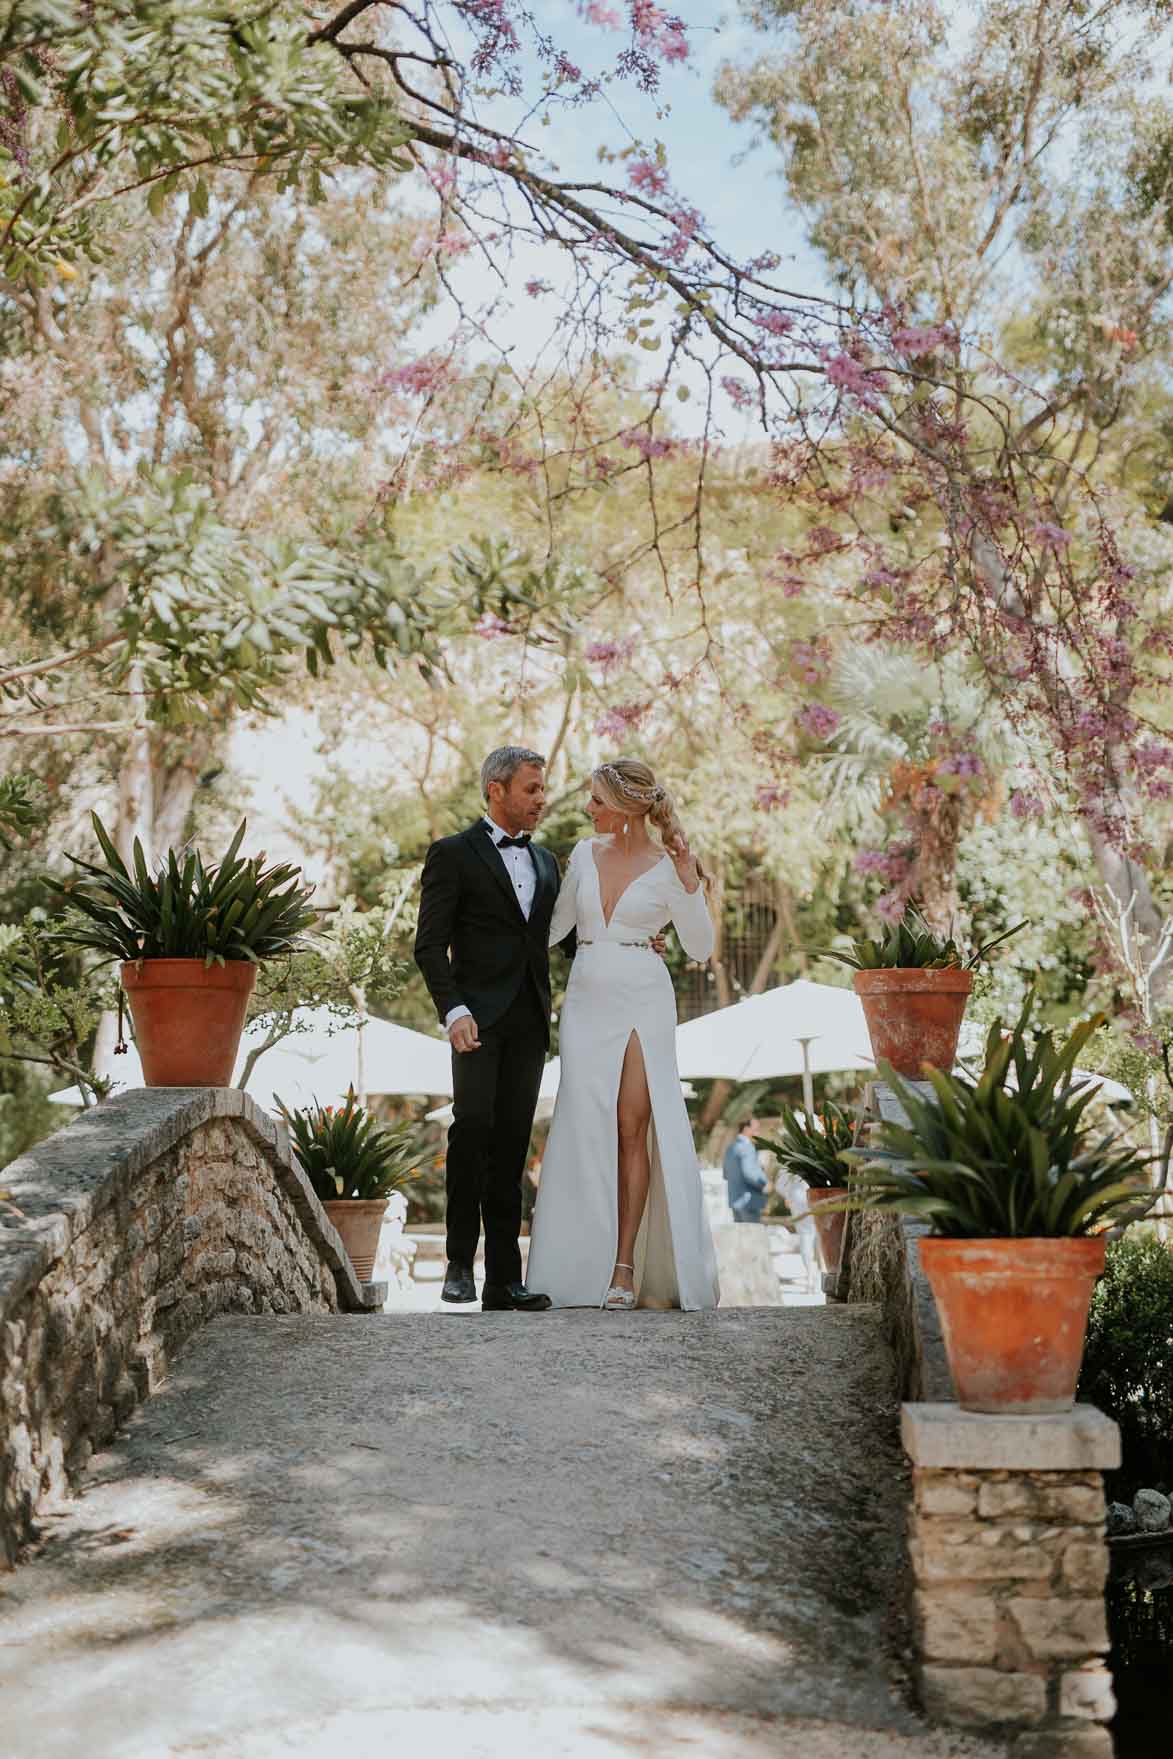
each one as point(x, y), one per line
point(522, 871)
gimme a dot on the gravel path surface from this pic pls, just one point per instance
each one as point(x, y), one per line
point(586, 1535)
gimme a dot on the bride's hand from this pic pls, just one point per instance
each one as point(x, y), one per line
point(684, 861)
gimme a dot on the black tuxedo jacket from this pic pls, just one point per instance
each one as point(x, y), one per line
point(473, 944)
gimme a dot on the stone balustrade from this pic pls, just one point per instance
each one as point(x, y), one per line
point(119, 1236)
point(1009, 1561)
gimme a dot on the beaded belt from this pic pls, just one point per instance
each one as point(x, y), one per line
point(614, 943)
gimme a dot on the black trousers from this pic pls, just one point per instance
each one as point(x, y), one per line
point(494, 1095)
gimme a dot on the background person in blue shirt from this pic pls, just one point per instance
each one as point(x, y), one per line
point(744, 1178)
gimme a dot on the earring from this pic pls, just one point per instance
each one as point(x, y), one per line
point(626, 827)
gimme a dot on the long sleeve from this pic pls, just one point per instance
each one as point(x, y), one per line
point(691, 920)
point(439, 896)
point(565, 918)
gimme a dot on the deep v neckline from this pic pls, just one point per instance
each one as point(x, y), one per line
point(608, 920)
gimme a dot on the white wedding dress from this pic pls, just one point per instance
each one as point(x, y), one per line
point(616, 990)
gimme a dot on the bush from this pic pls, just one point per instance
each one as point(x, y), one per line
point(1128, 1363)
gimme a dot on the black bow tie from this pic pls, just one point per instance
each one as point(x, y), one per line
point(521, 842)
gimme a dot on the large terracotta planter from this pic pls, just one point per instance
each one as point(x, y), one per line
point(1013, 1317)
point(914, 1017)
point(830, 1228)
point(358, 1220)
point(188, 1018)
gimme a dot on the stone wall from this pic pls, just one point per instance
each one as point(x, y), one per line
point(1009, 1560)
point(881, 1266)
point(119, 1236)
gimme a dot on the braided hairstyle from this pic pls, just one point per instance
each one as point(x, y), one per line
point(626, 785)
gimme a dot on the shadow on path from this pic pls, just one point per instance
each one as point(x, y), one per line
point(574, 1533)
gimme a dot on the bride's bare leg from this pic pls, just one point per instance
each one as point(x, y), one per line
point(634, 1112)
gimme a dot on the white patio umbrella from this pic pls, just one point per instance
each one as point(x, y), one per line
point(806, 1029)
point(322, 1061)
point(799, 1028)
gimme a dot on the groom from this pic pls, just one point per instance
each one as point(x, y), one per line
point(486, 899)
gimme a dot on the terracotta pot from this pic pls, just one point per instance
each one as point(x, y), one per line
point(1013, 1317)
point(358, 1220)
point(831, 1228)
point(188, 1018)
point(914, 1017)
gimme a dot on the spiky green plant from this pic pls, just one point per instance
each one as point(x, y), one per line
point(1002, 1160)
point(913, 944)
point(811, 1152)
point(237, 909)
point(347, 1153)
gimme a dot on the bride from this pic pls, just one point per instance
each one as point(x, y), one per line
point(620, 1218)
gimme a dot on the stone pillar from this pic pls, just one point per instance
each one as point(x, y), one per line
point(1009, 1560)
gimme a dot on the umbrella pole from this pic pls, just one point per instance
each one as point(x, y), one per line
point(360, 1061)
point(808, 1086)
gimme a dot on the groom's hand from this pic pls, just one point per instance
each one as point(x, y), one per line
point(463, 1035)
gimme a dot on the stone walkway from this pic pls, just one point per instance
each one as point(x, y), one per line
point(567, 1536)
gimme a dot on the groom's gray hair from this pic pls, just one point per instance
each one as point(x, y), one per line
point(503, 764)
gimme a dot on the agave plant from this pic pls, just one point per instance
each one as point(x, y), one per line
point(913, 944)
point(810, 1151)
point(347, 1153)
point(237, 909)
point(1005, 1158)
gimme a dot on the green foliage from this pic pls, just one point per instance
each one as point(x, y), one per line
point(360, 963)
point(117, 99)
point(347, 1153)
point(203, 610)
point(1001, 1161)
point(22, 805)
point(26, 1115)
point(236, 909)
point(49, 1005)
point(813, 1150)
point(1128, 1360)
point(912, 944)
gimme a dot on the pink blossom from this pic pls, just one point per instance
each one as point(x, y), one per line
point(646, 175)
point(890, 906)
point(848, 375)
point(534, 288)
point(419, 378)
point(963, 764)
point(605, 17)
point(917, 339)
point(809, 660)
point(609, 654)
point(769, 797)
point(1152, 756)
point(738, 394)
point(1024, 805)
point(1051, 536)
point(490, 627)
point(672, 43)
point(620, 720)
point(893, 866)
point(774, 323)
point(817, 720)
point(641, 441)
point(824, 539)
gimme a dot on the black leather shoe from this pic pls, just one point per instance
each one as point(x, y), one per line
point(458, 1284)
point(512, 1297)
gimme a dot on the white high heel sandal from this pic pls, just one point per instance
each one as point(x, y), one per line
point(620, 1300)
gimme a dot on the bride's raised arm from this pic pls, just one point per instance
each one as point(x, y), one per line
point(691, 920)
point(565, 917)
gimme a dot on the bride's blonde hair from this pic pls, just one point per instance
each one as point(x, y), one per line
point(626, 785)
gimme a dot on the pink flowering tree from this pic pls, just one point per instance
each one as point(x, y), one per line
point(962, 453)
